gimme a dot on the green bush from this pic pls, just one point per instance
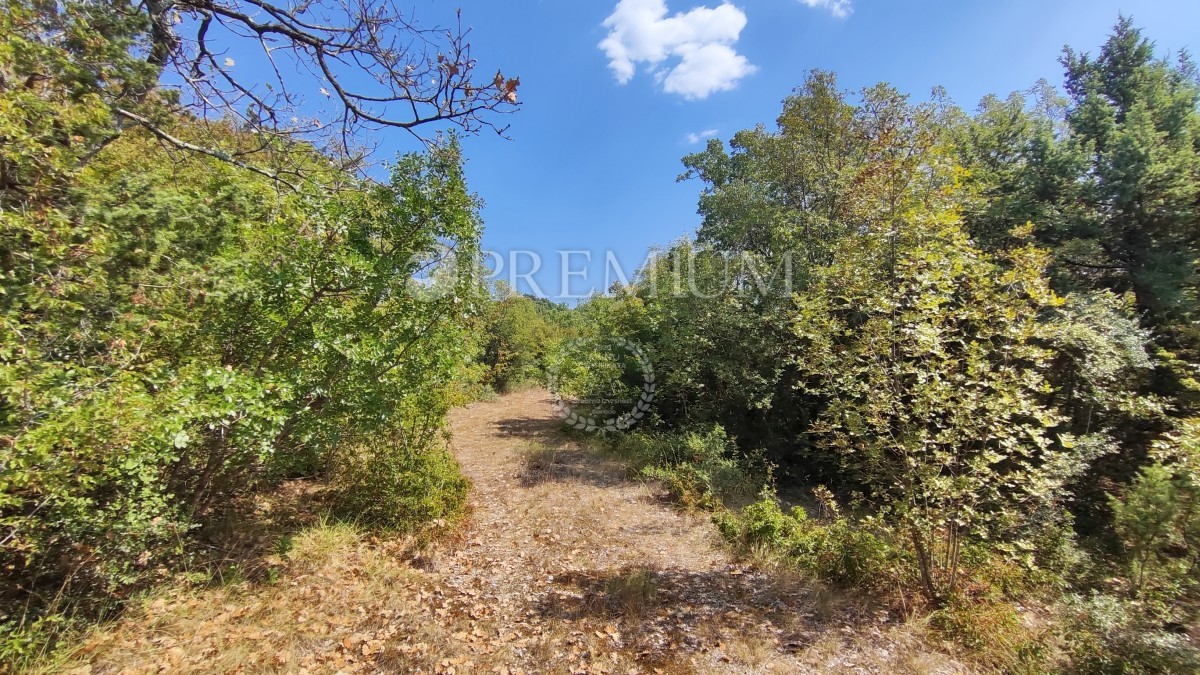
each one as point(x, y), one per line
point(519, 335)
point(1158, 518)
point(699, 469)
point(1109, 634)
point(176, 331)
point(765, 524)
point(836, 549)
point(401, 489)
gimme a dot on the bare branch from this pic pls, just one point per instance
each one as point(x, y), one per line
point(192, 147)
point(380, 69)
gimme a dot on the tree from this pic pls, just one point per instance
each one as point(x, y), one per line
point(932, 392)
point(785, 191)
point(1110, 175)
point(380, 68)
point(1019, 168)
point(1136, 117)
point(520, 333)
point(175, 330)
point(1158, 517)
point(949, 385)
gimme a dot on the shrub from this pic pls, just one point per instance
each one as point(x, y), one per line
point(699, 469)
point(765, 524)
point(837, 549)
point(398, 488)
point(219, 336)
point(685, 485)
point(518, 336)
point(1158, 517)
point(1109, 634)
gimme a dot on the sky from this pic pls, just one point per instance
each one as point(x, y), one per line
point(614, 93)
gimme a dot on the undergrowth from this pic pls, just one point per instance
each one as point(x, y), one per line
point(699, 469)
point(400, 489)
point(1010, 613)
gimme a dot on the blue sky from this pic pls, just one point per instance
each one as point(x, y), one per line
point(593, 162)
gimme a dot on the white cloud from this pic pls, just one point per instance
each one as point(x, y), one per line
point(706, 69)
point(694, 138)
point(839, 8)
point(701, 39)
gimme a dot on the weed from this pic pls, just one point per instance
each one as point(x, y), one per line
point(633, 592)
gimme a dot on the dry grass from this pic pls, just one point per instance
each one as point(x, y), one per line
point(564, 567)
point(632, 592)
point(340, 599)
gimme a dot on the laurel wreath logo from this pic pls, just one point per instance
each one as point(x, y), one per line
point(621, 422)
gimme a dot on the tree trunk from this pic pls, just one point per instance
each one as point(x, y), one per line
point(925, 564)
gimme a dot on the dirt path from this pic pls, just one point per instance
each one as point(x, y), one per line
point(565, 565)
point(606, 577)
point(561, 539)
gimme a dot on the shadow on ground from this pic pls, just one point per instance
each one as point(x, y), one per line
point(662, 611)
point(530, 428)
point(563, 462)
point(242, 533)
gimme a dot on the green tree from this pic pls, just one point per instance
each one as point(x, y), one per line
point(1018, 169)
point(934, 398)
point(176, 330)
point(1136, 118)
point(520, 334)
point(1158, 517)
point(785, 191)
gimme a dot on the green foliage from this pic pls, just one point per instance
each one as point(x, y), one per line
point(175, 331)
point(834, 548)
point(718, 353)
point(913, 366)
point(1108, 175)
point(521, 335)
point(1109, 634)
point(930, 369)
point(699, 469)
point(1146, 519)
point(1135, 117)
point(59, 66)
point(1158, 518)
point(1016, 170)
point(1102, 371)
point(400, 488)
point(972, 327)
point(221, 352)
point(975, 328)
